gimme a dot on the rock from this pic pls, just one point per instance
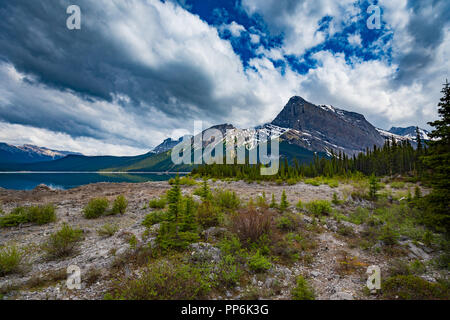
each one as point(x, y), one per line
point(342, 296)
point(269, 282)
point(122, 250)
point(214, 233)
point(315, 274)
point(204, 252)
point(417, 252)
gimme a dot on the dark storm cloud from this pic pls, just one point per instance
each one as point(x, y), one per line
point(426, 26)
point(34, 38)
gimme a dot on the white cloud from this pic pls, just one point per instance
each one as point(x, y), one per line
point(354, 39)
point(235, 29)
point(255, 38)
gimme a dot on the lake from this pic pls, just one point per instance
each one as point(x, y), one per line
point(68, 180)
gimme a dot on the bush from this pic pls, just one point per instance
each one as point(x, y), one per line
point(166, 281)
point(302, 291)
point(154, 218)
point(226, 199)
point(208, 215)
point(259, 263)
point(107, 230)
point(36, 214)
point(314, 182)
point(185, 181)
point(250, 224)
point(229, 271)
point(95, 208)
point(388, 235)
point(63, 242)
point(359, 216)
point(157, 203)
point(288, 222)
point(120, 205)
point(319, 207)
point(10, 259)
point(410, 287)
point(336, 200)
point(397, 184)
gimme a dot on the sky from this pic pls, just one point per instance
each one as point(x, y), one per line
point(140, 71)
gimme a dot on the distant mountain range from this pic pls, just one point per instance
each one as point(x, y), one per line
point(29, 153)
point(303, 129)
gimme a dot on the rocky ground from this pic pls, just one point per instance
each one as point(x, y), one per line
point(44, 279)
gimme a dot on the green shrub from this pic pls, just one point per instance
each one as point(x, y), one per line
point(410, 287)
point(95, 208)
point(166, 281)
point(107, 230)
point(299, 204)
point(230, 271)
point(259, 263)
point(157, 203)
point(35, 214)
point(345, 230)
point(388, 235)
point(319, 207)
point(336, 200)
point(120, 205)
point(10, 259)
point(204, 190)
point(314, 182)
point(302, 290)
point(185, 181)
point(332, 183)
point(154, 218)
point(208, 215)
point(63, 242)
point(261, 201)
point(288, 222)
point(397, 184)
point(359, 216)
point(226, 199)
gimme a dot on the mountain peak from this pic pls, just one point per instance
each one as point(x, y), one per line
point(334, 127)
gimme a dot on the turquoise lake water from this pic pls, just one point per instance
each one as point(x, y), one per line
point(65, 180)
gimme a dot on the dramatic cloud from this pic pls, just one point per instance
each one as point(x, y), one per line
point(140, 71)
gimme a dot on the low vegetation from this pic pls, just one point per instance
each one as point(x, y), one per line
point(302, 290)
point(63, 242)
point(98, 207)
point(34, 214)
point(11, 258)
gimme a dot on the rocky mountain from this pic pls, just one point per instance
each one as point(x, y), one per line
point(410, 132)
point(29, 154)
point(303, 129)
point(166, 145)
point(325, 128)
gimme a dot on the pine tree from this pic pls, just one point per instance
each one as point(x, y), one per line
point(284, 204)
point(273, 203)
point(373, 187)
point(437, 161)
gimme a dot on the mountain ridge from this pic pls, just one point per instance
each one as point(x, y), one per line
point(303, 129)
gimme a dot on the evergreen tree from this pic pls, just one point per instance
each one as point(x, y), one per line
point(284, 204)
point(373, 187)
point(437, 161)
point(273, 203)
